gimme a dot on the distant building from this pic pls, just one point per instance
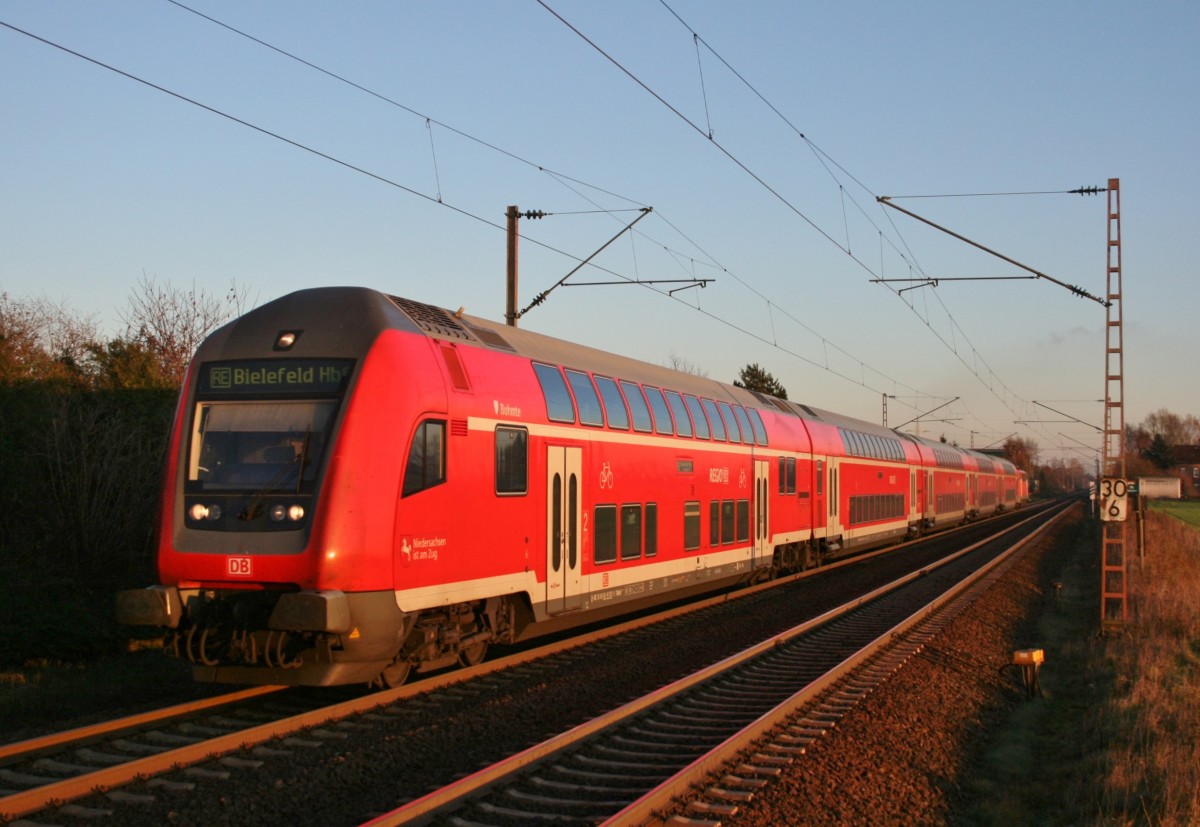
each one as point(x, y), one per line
point(1187, 468)
point(1159, 488)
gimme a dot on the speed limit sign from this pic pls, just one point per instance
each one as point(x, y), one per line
point(1113, 494)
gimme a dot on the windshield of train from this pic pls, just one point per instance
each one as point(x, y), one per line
point(258, 446)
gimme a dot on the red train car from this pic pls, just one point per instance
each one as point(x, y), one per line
point(361, 485)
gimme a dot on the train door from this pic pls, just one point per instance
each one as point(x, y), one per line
point(762, 499)
point(563, 522)
point(818, 500)
point(835, 521)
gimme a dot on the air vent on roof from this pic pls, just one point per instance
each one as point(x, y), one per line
point(431, 319)
point(785, 407)
point(809, 411)
point(491, 337)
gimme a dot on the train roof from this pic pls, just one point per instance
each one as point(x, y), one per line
point(356, 315)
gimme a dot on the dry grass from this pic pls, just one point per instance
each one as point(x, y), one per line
point(1150, 766)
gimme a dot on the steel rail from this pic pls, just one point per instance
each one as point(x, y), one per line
point(22, 803)
point(683, 784)
point(423, 810)
point(58, 741)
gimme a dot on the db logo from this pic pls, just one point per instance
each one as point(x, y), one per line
point(238, 566)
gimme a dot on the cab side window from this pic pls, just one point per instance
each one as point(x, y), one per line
point(426, 465)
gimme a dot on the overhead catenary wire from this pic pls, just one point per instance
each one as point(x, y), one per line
point(863, 367)
point(954, 326)
point(820, 154)
point(452, 207)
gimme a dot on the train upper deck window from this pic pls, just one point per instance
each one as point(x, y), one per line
point(683, 424)
point(662, 416)
point(697, 412)
point(512, 460)
point(559, 407)
point(426, 458)
point(714, 419)
point(744, 422)
point(614, 405)
point(637, 407)
point(731, 425)
point(590, 412)
point(760, 430)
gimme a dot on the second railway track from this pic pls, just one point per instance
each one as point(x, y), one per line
point(639, 762)
point(409, 746)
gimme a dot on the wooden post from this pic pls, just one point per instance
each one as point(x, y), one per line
point(510, 311)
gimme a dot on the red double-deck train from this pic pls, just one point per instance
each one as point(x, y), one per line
point(360, 485)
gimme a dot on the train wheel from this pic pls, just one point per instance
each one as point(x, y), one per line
point(395, 675)
point(473, 655)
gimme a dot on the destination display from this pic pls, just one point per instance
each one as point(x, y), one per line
point(270, 376)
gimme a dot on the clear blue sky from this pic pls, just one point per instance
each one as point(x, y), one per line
point(477, 105)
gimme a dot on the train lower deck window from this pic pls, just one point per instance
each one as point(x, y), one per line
point(743, 521)
point(512, 460)
point(870, 508)
point(691, 526)
point(426, 458)
point(729, 520)
point(787, 475)
point(727, 525)
point(604, 535)
point(631, 531)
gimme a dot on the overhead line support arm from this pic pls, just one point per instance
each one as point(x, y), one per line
point(1078, 291)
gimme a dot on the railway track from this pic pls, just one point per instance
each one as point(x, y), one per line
point(714, 738)
point(61, 767)
point(232, 735)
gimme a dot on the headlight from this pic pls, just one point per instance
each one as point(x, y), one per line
point(200, 511)
point(296, 513)
point(278, 512)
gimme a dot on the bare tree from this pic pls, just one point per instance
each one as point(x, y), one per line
point(1021, 453)
point(1174, 429)
point(171, 323)
point(685, 365)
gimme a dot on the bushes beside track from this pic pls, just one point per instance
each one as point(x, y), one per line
point(81, 471)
